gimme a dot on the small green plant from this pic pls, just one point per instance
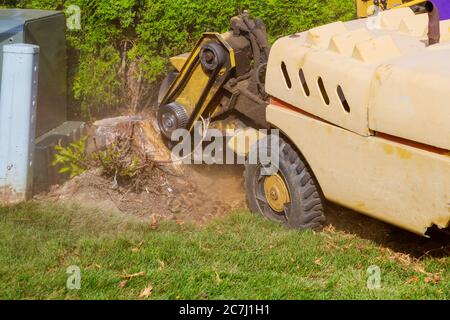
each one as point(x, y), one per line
point(72, 159)
point(118, 161)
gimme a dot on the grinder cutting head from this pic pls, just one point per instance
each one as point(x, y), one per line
point(171, 117)
point(196, 85)
point(223, 75)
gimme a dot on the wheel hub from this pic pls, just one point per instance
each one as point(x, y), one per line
point(169, 121)
point(276, 193)
point(171, 117)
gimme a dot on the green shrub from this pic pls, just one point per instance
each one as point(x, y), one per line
point(119, 161)
point(72, 159)
point(119, 34)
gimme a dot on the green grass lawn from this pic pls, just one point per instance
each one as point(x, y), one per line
point(241, 256)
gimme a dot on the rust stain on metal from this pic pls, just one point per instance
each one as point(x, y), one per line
point(361, 206)
point(404, 154)
point(388, 149)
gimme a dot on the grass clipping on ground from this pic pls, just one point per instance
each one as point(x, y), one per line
point(241, 256)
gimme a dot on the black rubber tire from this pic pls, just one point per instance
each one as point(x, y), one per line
point(306, 209)
point(165, 85)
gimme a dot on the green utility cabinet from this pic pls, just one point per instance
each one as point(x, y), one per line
point(47, 30)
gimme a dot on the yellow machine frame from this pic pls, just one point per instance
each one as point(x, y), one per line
point(196, 80)
point(365, 8)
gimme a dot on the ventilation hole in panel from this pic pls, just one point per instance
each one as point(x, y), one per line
point(343, 99)
point(323, 91)
point(287, 79)
point(301, 75)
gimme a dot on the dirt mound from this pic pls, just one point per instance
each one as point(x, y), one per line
point(197, 195)
point(169, 191)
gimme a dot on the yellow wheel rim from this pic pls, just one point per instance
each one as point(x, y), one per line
point(276, 193)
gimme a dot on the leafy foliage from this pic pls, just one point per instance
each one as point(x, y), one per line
point(72, 159)
point(117, 34)
point(118, 161)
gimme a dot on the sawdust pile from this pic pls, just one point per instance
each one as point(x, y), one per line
point(194, 193)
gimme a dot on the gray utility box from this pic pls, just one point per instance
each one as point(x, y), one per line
point(47, 30)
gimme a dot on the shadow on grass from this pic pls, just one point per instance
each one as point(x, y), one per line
point(388, 236)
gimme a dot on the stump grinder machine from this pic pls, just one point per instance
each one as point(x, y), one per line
point(361, 107)
point(222, 78)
